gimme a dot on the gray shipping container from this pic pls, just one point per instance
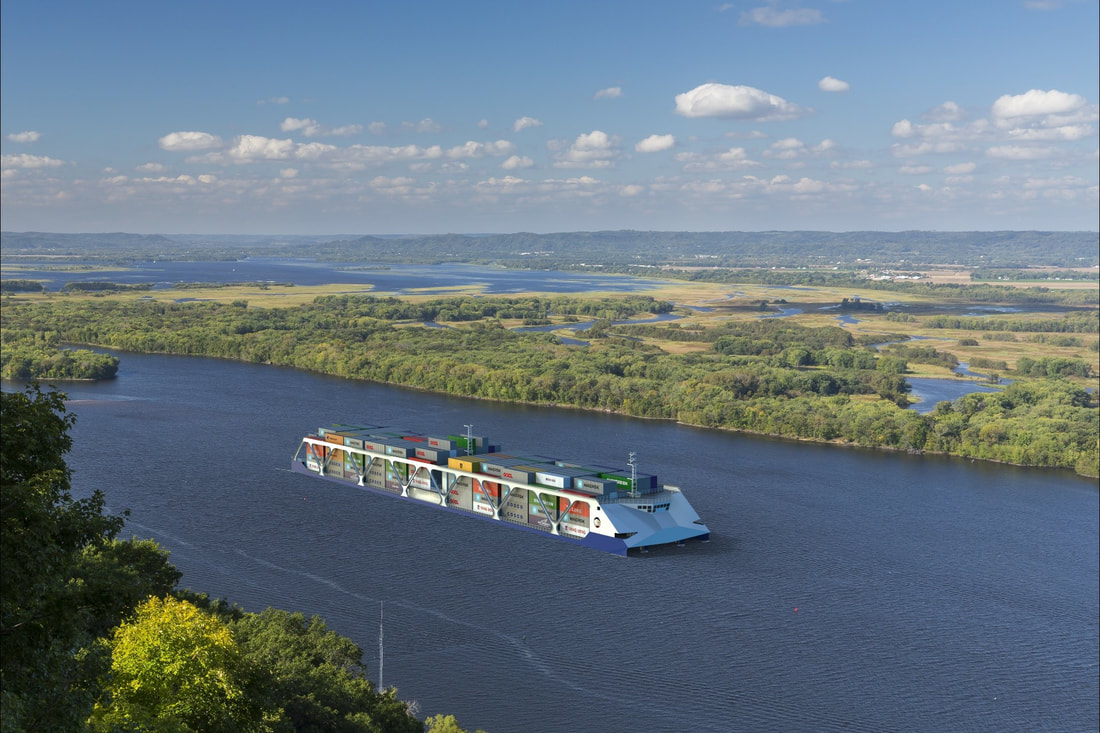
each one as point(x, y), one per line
point(521, 474)
point(515, 508)
point(435, 455)
point(460, 493)
point(594, 485)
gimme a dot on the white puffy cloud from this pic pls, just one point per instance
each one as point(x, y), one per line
point(1019, 152)
point(731, 159)
point(517, 162)
point(947, 112)
point(770, 16)
point(274, 100)
point(631, 190)
point(400, 185)
point(473, 149)
point(150, 168)
point(831, 84)
point(1064, 133)
point(307, 126)
point(524, 122)
point(737, 102)
point(376, 128)
point(345, 130)
point(915, 170)
point(903, 129)
point(190, 141)
point(960, 169)
point(655, 144)
point(850, 164)
point(925, 147)
point(1036, 103)
point(248, 148)
point(786, 149)
point(425, 125)
point(357, 157)
point(288, 173)
point(23, 160)
point(483, 123)
point(311, 128)
point(595, 149)
point(28, 136)
point(608, 93)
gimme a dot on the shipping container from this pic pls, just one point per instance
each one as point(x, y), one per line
point(515, 507)
point(351, 442)
point(464, 464)
point(575, 515)
point(484, 496)
point(542, 515)
point(460, 493)
point(441, 443)
point(519, 474)
point(645, 481)
point(398, 450)
point(436, 456)
point(397, 475)
point(375, 475)
point(459, 442)
point(594, 484)
point(494, 464)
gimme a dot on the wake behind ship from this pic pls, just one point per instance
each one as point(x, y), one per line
point(608, 508)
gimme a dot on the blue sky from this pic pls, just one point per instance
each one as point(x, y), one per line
point(369, 117)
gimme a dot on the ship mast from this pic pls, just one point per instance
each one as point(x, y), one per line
point(633, 473)
point(469, 439)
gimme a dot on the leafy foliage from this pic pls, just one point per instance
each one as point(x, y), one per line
point(766, 376)
point(177, 668)
point(48, 657)
point(317, 677)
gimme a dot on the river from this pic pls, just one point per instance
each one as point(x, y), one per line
point(842, 588)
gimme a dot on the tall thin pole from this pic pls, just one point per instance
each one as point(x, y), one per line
point(633, 474)
point(469, 440)
point(381, 610)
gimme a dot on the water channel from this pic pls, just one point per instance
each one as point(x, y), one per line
point(843, 588)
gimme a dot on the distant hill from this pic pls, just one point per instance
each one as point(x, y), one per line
point(622, 248)
point(42, 242)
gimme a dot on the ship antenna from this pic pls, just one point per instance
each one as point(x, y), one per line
point(380, 614)
point(633, 473)
point(469, 439)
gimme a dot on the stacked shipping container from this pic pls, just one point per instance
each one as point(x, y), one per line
point(509, 493)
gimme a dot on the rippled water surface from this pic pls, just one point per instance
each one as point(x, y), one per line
point(842, 589)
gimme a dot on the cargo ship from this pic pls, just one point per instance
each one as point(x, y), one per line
point(614, 509)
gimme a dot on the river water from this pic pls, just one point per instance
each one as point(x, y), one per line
point(842, 589)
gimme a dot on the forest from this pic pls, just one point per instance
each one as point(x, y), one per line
point(82, 611)
point(766, 376)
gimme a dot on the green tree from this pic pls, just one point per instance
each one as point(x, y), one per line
point(445, 724)
point(48, 659)
point(317, 677)
point(175, 667)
